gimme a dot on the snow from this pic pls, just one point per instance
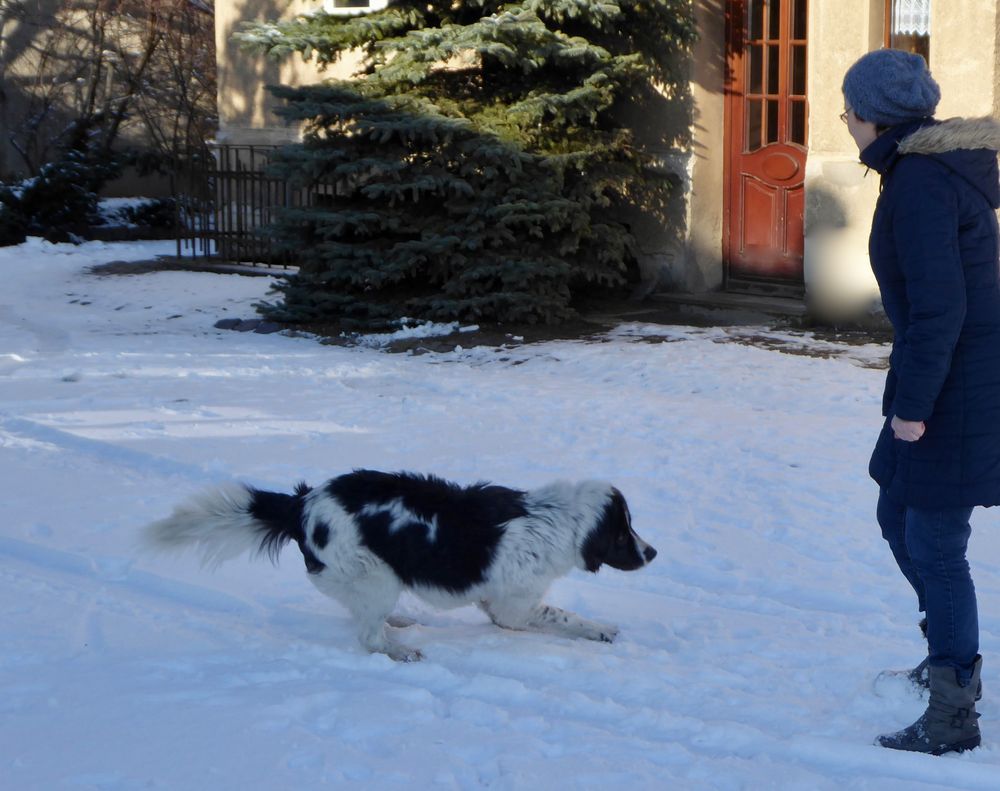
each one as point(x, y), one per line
point(747, 649)
point(409, 329)
point(115, 211)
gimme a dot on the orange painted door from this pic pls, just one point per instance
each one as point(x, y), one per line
point(767, 124)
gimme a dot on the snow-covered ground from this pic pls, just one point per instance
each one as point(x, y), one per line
point(747, 649)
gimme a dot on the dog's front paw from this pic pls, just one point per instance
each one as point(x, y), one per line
point(400, 653)
point(601, 632)
point(608, 634)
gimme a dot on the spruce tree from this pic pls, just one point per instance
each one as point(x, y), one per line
point(475, 167)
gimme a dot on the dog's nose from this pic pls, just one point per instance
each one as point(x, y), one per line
point(649, 553)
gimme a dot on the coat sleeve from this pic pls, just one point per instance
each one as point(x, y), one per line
point(925, 229)
point(888, 392)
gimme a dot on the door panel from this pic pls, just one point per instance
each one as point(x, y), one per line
point(767, 123)
point(759, 206)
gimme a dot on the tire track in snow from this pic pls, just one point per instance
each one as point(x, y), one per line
point(49, 338)
point(118, 572)
point(106, 452)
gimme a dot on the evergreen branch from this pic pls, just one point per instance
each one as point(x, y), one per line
point(325, 37)
point(517, 41)
point(601, 14)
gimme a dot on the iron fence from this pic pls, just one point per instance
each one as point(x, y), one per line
point(224, 200)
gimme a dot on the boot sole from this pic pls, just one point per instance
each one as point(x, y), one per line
point(959, 747)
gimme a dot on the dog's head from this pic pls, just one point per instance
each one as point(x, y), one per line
point(613, 541)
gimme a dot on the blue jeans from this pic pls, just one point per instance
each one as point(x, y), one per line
point(929, 547)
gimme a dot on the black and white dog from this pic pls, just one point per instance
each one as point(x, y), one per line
point(366, 536)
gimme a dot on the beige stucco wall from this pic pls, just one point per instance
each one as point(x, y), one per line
point(701, 267)
point(964, 56)
point(246, 107)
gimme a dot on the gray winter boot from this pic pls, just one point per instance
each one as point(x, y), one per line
point(895, 683)
point(900, 683)
point(918, 680)
point(950, 723)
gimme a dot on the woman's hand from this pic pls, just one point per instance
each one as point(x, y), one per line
point(907, 430)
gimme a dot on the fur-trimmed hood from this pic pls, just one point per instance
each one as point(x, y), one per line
point(966, 146)
point(953, 135)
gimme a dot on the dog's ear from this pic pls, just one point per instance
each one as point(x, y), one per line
point(601, 538)
point(596, 547)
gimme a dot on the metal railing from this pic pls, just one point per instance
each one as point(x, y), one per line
point(225, 199)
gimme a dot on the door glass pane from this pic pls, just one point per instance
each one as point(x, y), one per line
point(756, 82)
point(772, 120)
point(799, 70)
point(756, 16)
point(798, 123)
point(774, 21)
point(773, 62)
point(754, 107)
point(799, 20)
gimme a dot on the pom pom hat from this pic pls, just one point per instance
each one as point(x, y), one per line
point(888, 87)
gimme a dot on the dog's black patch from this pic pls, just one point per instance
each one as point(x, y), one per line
point(611, 541)
point(321, 535)
point(313, 564)
point(281, 515)
point(430, 531)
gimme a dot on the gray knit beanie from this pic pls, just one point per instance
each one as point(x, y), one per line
point(889, 86)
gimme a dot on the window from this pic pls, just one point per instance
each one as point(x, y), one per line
point(775, 79)
point(349, 7)
point(908, 26)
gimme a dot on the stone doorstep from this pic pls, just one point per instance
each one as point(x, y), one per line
point(789, 307)
point(709, 309)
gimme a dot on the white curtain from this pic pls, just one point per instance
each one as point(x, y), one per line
point(911, 17)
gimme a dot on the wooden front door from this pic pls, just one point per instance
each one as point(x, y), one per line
point(766, 124)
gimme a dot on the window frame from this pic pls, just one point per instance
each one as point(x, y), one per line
point(331, 7)
point(920, 45)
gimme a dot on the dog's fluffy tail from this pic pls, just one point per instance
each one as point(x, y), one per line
point(229, 520)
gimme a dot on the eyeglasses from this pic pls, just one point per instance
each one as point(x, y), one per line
point(843, 115)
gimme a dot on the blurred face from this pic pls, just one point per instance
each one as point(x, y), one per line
point(863, 132)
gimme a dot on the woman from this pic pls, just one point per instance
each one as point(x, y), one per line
point(934, 252)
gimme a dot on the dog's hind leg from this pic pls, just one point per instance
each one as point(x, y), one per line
point(370, 599)
point(519, 614)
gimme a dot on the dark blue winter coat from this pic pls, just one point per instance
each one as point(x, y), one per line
point(934, 251)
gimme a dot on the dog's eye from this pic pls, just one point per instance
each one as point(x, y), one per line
point(622, 539)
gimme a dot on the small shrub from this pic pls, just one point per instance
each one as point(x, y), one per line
point(13, 226)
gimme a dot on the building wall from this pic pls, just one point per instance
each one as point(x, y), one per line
point(57, 66)
point(246, 107)
point(964, 56)
point(701, 268)
point(25, 37)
